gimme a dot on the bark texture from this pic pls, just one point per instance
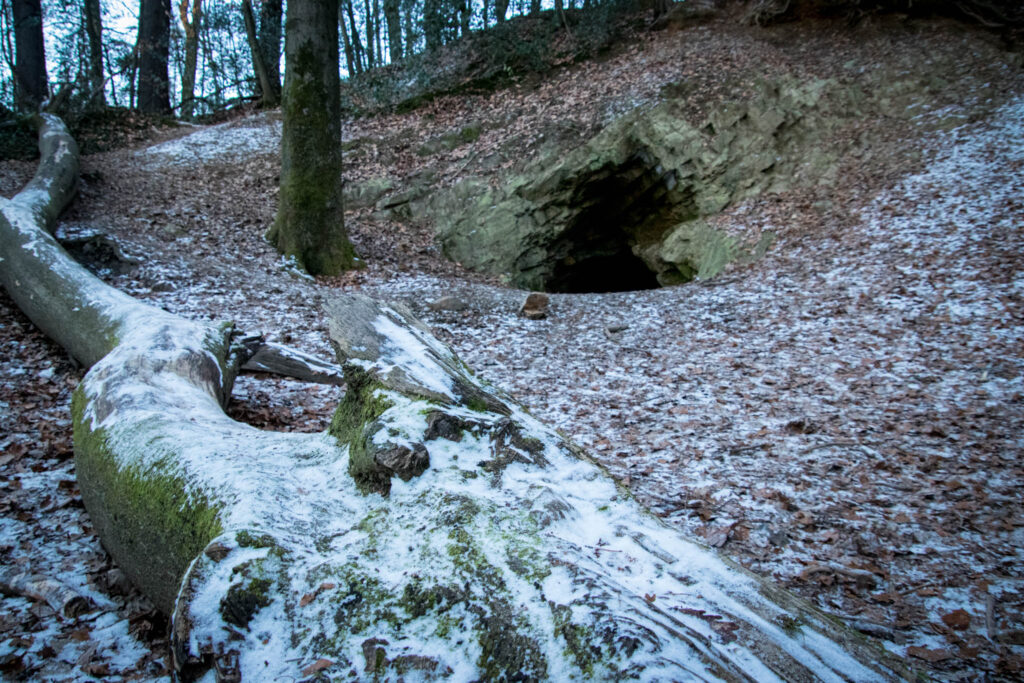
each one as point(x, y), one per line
point(268, 90)
point(30, 55)
point(188, 76)
point(94, 31)
point(310, 224)
point(437, 531)
point(270, 43)
point(153, 47)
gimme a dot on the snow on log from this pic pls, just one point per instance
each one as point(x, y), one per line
point(435, 531)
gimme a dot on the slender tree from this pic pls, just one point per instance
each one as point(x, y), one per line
point(465, 16)
point(270, 42)
point(31, 88)
point(353, 32)
point(94, 31)
point(350, 61)
point(153, 46)
point(188, 76)
point(433, 23)
point(500, 9)
point(310, 225)
point(393, 20)
point(267, 87)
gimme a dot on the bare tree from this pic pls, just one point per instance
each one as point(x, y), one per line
point(30, 81)
point(270, 42)
point(310, 223)
point(153, 46)
point(191, 27)
point(94, 31)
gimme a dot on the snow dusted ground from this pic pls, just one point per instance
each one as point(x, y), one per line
point(844, 415)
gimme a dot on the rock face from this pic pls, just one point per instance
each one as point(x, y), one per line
point(624, 210)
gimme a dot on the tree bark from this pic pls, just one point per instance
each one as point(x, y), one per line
point(433, 23)
point(353, 33)
point(94, 31)
point(393, 21)
point(188, 76)
point(437, 531)
point(310, 222)
point(346, 43)
point(30, 81)
point(267, 89)
point(465, 16)
point(153, 45)
point(500, 9)
point(270, 43)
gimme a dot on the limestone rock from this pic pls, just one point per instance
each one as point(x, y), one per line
point(536, 306)
point(448, 303)
point(619, 212)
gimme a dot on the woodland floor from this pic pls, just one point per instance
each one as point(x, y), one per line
point(844, 415)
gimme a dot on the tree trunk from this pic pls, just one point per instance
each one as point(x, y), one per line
point(393, 20)
point(357, 46)
point(30, 83)
point(432, 24)
point(465, 16)
point(371, 57)
point(346, 43)
point(436, 531)
point(188, 76)
point(153, 45)
point(500, 8)
point(310, 222)
point(270, 43)
point(259, 66)
point(410, 27)
point(94, 31)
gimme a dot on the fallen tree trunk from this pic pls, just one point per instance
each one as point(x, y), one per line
point(436, 530)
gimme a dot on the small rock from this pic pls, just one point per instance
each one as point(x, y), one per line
point(617, 327)
point(163, 286)
point(535, 307)
point(448, 303)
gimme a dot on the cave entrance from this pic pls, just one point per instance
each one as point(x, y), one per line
point(619, 206)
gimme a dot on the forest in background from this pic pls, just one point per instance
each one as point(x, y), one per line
point(190, 58)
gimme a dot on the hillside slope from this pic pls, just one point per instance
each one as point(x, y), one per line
point(843, 414)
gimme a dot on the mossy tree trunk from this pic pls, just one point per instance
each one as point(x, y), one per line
point(310, 225)
point(436, 531)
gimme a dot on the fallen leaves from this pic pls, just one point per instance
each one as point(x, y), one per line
point(958, 620)
point(928, 655)
point(317, 666)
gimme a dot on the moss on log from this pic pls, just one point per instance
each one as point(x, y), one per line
point(499, 552)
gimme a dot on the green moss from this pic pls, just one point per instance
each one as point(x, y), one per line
point(363, 404)
point(791, 625)
point(471, 133)
point(476, 404)
point(150, 522)
point(246, 539)
point(243, 600)
point(577, 638)
point(310, 221)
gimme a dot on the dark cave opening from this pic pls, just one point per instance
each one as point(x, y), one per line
point(619, 206)
point(614, 272)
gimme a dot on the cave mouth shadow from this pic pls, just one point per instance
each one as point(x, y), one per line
point(618, 207)
point(615, 272)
